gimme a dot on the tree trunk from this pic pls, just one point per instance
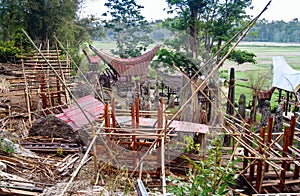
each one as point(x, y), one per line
point(191, 111)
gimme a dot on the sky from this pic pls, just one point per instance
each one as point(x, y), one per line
point(285, 10)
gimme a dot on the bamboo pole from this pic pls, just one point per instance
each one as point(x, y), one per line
point(82, 162)
point(246, 30)
point(163, 170)
point(61, 73)
point(65, 85)
point(82, 74)
point(107, 121)
point(246, 152)
point(26, 93)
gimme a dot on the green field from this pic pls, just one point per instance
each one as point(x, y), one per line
point(248, 74)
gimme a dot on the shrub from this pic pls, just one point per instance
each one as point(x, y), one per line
point(206, 177)
point(8, 51)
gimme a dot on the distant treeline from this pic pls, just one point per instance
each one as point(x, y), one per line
point(275, 31)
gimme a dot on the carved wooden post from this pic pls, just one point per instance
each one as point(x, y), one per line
point(286, 108)
point(230, 102)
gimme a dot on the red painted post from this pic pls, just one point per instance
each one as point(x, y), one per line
point(296, 172)
point(291, 137)
point(284, 164)
point(292, 130)
point(260, 162)
point(133, 137)
point(137, 112)
point(113, 113)
point(159, 125)
point(269, 138)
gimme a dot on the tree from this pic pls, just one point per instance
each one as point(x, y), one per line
point(130, 28)
point(275, 31)
point(12, 16)
point(209, 23)
point(42, 19)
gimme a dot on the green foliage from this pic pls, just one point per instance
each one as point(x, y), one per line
point(130, 30)
point(59, 151)
point(21, 41)
point(207, 23)
point(43, 19)
point(224, 74)
point(8, 51)
point(191, 146)
point(242, 56)
point(177, 59)
point(275, 31)
point(93, 27)
point(206, 177)
point(7, 147)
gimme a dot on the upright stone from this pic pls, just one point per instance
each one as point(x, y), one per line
point(145, 95)
point(242, 107)
point(278, 122)
point(156, 95)
point(129, 99)
point(265, 114)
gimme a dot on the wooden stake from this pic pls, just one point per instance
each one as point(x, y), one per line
point(159, 125)
point(291, 136)
point(82, 162)
point(137, 113)
point(284, 164)
point(259, 176)
point(269, 139)
point(113, 113)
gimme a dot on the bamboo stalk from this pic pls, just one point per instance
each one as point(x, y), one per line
point(27, 94)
